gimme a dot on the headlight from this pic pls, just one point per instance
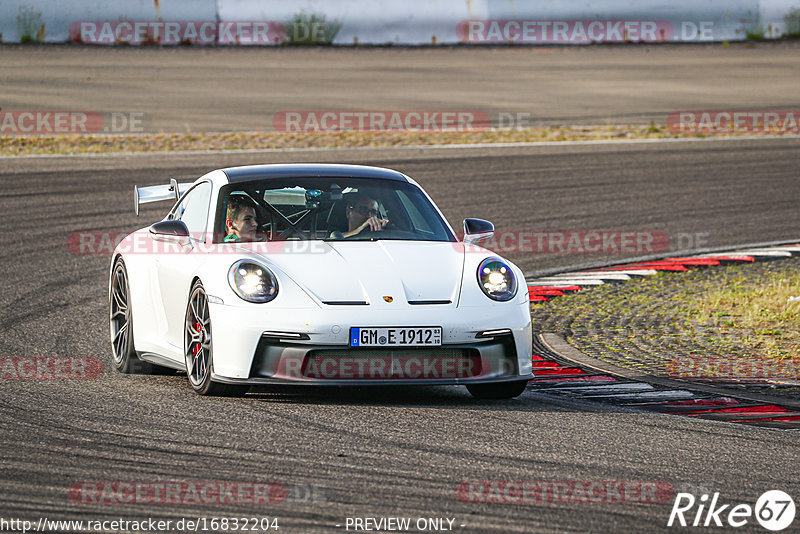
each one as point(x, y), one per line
point(496, 279)
point(252, 282)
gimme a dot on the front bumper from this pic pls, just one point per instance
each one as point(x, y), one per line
point(249, 348)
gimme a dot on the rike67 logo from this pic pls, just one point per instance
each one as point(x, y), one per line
point(774, 510)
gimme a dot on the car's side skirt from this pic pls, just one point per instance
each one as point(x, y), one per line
point(161, 360)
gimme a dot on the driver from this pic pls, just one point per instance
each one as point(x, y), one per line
point(240, 222)
point(362, 213)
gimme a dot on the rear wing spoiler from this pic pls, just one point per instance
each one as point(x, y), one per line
point(156, 193)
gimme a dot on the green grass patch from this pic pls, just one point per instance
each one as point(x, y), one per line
point(756, 311)
point(29, 25)
point(311, 29)
point(792, 20)
point(725, 314)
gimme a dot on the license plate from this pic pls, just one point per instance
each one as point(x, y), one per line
point(423, 336)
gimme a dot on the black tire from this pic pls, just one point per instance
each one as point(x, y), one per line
point(500, 390)
point(197, 348)
point(123, 349)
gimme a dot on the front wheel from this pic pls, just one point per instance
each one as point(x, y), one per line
point(199, 356)
point(500, 390)
point(120, 322)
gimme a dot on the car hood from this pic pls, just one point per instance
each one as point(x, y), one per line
point(355, 272)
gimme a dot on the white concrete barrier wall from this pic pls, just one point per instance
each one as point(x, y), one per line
point(690, 20)
point(419, 22)
point(49, 20)
point(367, 21)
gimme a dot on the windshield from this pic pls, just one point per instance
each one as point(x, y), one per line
point(332, 209)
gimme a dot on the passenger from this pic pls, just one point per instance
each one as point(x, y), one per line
point(362, 213)
point(240, 222)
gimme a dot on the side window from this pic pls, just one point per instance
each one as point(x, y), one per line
point(193, 209)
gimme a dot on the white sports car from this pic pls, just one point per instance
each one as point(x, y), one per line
point(316, 274)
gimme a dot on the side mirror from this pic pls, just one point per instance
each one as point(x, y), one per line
point(476, 230)
point(169, 229)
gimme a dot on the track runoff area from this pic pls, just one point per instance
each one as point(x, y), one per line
point(583, 449)
point(576, 375)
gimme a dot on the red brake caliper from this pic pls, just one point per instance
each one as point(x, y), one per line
point(196, 347)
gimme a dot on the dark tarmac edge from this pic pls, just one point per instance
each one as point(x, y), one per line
point(559, 345)
point(556, 342)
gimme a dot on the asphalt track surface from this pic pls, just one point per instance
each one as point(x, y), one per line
point(373, 452)
point(200, 89)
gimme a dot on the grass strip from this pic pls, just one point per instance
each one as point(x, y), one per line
point(19, 145)
point(756, 312)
